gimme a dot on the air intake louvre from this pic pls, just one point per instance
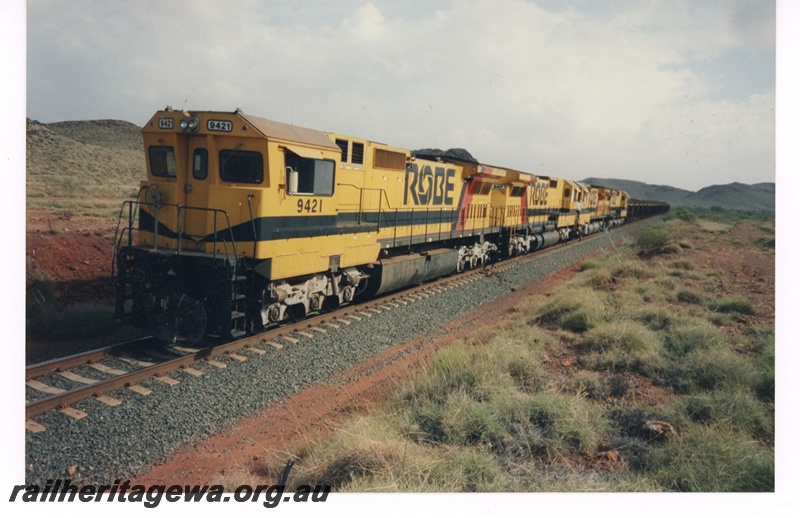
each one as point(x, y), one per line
point(358, 153)
point(389, 159)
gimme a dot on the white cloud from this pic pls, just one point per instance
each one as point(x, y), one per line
point(571, 93)
point(366, 24)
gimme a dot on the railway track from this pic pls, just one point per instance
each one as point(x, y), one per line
point(160, 363)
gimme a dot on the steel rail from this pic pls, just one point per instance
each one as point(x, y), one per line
point(64, 399)
point(67, 362)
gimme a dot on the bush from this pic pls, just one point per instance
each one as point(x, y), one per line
point(713, 458)
point(653, 240)
point(577, 310)
point(633, 269)
point(690, 297)
point(690, 334)
point(627, 336)
point(473, 471)
point(736, 409)
point(682, 265)
point(588, 265)
point(735, 304)
point(599, 387)
point(719, 368)
point(556, 424)
point(362, 453)
point(465, 421)
point(683, 213)
point(526, 371)
point(577, 322)
point(655, 318)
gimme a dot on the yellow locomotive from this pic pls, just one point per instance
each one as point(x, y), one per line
point(245, 222)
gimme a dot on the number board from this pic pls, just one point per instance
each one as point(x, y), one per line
point(166, 123)
point(214, 125)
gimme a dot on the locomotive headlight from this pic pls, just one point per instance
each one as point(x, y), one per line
point(190, 124)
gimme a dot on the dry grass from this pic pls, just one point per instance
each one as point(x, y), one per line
point(492, 413)
point(713, 227)
point(86, 166)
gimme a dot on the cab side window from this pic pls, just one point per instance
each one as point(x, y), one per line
point(314, 177)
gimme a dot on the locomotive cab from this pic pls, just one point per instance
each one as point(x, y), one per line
point(209, 228)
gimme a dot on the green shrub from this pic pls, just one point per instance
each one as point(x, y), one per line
point(627, 336)
point(689, 334)
point(526, 371)
point(712, 458)
point(650, 240)
point(736, 409)
point(588, 265)
point(473, 471)
point(633, 269)
point(655, 318)
point(557, 424)
point(577, 322)
point(690, 297)
point(682, 265)
point(589, 383)
point(767, 242)
point(598, 387)
point(577, 310)
point(465, 421)
point(734, 304)
point(683, 213)
point(721, 367)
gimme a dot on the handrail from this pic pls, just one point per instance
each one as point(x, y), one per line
point(133, 209)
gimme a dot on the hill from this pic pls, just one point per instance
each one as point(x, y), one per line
point(82, 166)
point(92, 166)
point(735, 196)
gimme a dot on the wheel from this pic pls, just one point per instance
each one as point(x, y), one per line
point(183, 321)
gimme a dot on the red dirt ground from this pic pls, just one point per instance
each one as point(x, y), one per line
point(75, 252)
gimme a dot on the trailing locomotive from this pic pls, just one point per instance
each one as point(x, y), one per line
point(245, 222)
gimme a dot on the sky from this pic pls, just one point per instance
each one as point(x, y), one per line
point(678, 93)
